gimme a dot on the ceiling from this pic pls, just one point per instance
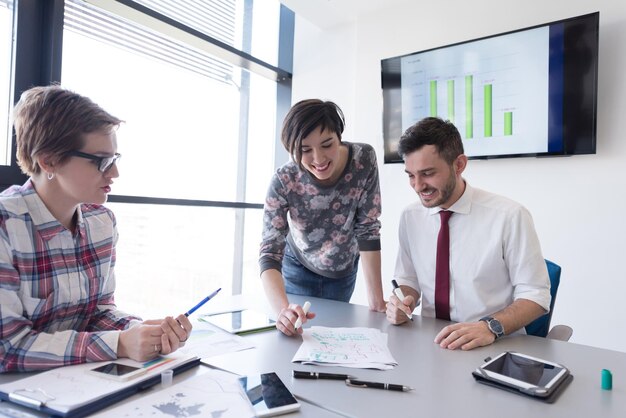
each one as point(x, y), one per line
point(328, 13)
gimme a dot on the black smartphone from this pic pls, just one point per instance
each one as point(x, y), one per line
point(118, 371)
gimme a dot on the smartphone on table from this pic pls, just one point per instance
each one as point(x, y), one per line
point(268, 395)
point(118, 371)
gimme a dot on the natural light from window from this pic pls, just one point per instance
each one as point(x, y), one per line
point(180, 140)
point(6, 29)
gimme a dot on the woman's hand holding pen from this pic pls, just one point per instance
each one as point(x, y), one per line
point(157, 336)
point(175, 332)
point(287, 318)
point(140, 342)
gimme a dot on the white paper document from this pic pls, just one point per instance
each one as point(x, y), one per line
point(211, 394)
point(207, 340)
point(362, 348)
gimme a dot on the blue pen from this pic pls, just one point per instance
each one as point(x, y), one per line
point(202, 302)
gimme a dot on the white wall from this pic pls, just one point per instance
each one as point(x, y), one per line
point(577, 202)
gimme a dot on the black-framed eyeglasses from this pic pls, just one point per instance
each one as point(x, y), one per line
point(104, 163)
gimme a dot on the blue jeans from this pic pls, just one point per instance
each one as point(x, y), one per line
point(299, 280)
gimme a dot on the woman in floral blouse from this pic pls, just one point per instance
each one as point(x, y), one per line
point(321, 216)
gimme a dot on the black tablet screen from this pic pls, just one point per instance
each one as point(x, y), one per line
point(266, 391)
point(524, 369)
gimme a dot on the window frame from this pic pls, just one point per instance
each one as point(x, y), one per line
point(37, 61)
point(38, 39)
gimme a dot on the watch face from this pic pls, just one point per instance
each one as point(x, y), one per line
point(496, 326)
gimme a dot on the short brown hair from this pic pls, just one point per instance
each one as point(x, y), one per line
point(306, 116)
point(52, 121)
point(432, 131)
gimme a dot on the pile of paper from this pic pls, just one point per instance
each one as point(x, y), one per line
point(363, 348)
point(213, 393)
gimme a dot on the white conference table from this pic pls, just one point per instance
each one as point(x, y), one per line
point(441, 378)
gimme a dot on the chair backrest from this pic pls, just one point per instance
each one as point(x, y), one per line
point(541, 325)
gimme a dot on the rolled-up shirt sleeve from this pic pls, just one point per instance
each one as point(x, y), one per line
point(527, 267)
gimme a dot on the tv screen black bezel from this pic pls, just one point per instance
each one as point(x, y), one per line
point(579, 124)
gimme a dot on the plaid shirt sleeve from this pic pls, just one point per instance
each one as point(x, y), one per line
point(56, 293)
point(108, 317)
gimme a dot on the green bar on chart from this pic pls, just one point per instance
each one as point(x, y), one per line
point(433, 98)
point(451, 100)
point(488, 110)
point(469, 110)
point(508, 123)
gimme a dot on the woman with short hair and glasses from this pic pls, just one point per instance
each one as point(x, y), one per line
point(320, 216)
point(57, 244)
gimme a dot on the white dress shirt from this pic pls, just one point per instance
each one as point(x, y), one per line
point(495, 255)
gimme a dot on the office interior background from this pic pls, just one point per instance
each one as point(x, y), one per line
point(200, 140)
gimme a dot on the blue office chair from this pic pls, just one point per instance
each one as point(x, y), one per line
point(540, 327)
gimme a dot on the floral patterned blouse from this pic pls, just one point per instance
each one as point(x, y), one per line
point(326, 226)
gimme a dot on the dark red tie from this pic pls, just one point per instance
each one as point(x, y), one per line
point(442, 272)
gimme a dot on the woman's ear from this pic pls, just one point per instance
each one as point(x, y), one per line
point(45, 163)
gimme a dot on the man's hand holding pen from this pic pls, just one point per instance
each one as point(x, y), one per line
point(401, 305)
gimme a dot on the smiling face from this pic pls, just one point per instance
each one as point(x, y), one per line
point(323, 156)
point(437, 183)
point(79, 180)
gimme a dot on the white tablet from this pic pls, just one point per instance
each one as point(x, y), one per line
point(241, 322)
point(528, 374)
point(268, 395)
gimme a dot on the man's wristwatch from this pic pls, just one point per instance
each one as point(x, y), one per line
point(494, 326)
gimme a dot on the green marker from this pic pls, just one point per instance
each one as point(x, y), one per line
point(607, 379)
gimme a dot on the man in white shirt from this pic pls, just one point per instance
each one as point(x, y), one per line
point(497, 281)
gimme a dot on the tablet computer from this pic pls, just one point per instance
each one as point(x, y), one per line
point(268, 395)
point(527, 374)
point(240, 322)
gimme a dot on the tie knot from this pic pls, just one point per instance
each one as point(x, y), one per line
point(445, 215)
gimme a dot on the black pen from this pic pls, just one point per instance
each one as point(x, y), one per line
point(299, 374)
point(377, 385)
point(400, 295)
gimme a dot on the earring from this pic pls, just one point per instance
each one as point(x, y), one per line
point(50, 176)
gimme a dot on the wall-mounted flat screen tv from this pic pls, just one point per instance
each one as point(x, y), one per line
point(529, 92)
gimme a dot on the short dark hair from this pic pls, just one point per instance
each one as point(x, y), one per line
point(306, 116)
point(432, 131)
point(53, 121)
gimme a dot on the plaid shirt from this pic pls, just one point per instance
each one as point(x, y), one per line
point(56, 288)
